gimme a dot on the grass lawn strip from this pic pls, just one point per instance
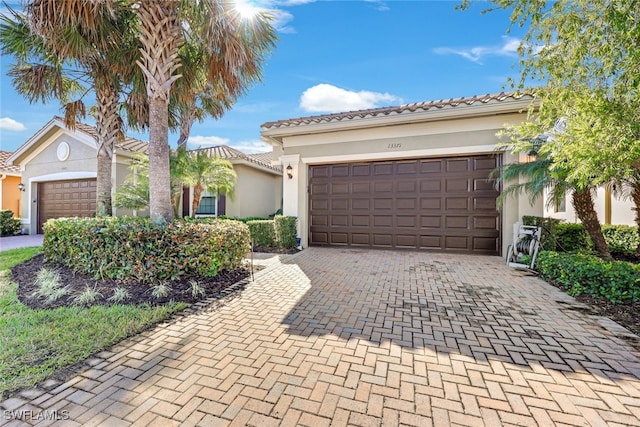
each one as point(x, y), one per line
point(35, 343)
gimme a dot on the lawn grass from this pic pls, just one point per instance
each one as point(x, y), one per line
point(36, 343)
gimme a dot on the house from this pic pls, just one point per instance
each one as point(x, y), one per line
point(58, 170)
point(414, 176)
point(258, 189)
point(10, 188)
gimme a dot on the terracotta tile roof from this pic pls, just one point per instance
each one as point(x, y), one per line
point(229, 153)
point(402, 109)
point(129, 143)
point(4, 168)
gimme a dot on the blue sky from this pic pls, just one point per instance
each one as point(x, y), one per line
point(335, 56)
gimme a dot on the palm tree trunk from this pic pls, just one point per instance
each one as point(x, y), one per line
point(583, 204)
point(161, 37)
point(635, 196)
point(109, 127)
point(197, 196)
point(160, 207)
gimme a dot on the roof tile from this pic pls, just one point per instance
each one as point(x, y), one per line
point(401, 109)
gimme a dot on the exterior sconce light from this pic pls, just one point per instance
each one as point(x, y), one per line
point(290, 172)
point(21, 187)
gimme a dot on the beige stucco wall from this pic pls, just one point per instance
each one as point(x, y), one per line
point(474, 135)
point(257, 193)
point(622, 212)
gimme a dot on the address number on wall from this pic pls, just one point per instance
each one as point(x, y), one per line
point(394, 145)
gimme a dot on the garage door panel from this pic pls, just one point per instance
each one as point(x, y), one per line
point(361, 187)
point(360, 204)
point(446, 204)
point(340, 188)
point(383, 187)
point(430, 186)
point(456, 203)
point(457, 185)
point(339, 171)
point(383, 169)
point(457, 165)
point(430, 221)
point(361, 170)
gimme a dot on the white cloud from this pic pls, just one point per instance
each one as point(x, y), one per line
point(247, 147)
point(7, 123)
point(208, 141)
point(330, 99)
point(509, 47)
point(252, 146)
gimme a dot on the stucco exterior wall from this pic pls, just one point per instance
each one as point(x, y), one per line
point(11, 196)
point(475, 135)
point(257, 193)
point(621, 209)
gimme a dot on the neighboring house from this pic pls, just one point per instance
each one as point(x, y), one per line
point(58, 170)
point(258, 190)
point(413, 176)
point(10, 188)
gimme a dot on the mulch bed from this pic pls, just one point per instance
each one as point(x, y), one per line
point(24, 276)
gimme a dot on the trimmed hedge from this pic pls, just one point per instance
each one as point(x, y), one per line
point(579, 273)
point(570, 237)
point(286, 231)
point(9, 226)
point(263, 233)
point(131, 248)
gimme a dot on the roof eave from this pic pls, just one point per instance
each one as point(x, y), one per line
point(275, 135)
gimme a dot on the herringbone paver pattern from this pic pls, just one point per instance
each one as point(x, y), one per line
point(335, 337)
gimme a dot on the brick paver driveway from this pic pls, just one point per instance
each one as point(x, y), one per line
point(350, 337)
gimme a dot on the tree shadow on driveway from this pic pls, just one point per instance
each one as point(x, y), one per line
point(469, 305)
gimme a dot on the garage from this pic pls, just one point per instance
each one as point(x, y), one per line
point(70, 198)
point(445, 204)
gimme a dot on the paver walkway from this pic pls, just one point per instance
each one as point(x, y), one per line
point(364, 338)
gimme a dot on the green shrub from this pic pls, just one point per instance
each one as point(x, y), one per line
point(580, 273)
point(9, 225)
point(286, 231)
point(263, 233)
point(572, 238)
point(621, 239)
point(136, 249)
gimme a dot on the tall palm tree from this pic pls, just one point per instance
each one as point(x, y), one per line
point(231, 48)
point(94, 40)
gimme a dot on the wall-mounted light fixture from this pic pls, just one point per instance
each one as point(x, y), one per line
point(21, 187)
point(290, 172)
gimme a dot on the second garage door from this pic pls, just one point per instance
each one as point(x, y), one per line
point(442, 204)
point(57, 199)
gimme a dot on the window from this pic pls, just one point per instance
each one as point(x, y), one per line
point(561, 205)
point(207, 204)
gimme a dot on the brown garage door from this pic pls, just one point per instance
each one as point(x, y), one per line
point(57, 199)
point(442, 204)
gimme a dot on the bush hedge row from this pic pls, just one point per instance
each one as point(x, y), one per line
point(132, 248)
point(279, 232)
point(9, 226)
point(580, 273)
point(569, 237)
